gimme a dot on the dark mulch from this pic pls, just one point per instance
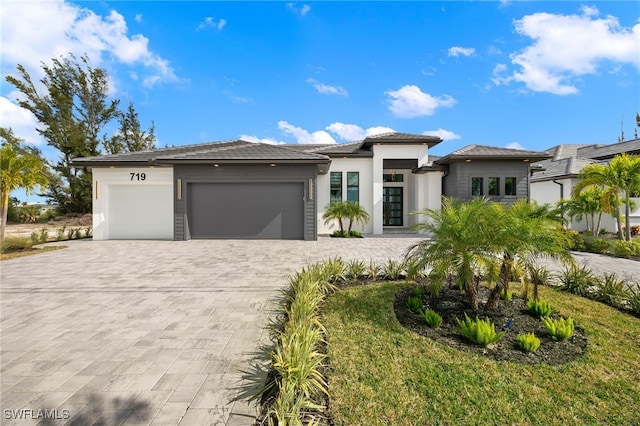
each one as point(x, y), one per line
point(451, 304)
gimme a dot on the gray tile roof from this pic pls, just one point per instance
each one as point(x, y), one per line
point(600, 152)
point(563, 167)
point(401, 138)
point(228, 151)
point(470, 152)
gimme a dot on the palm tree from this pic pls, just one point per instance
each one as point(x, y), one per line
point(589, 205)
point(356, 213)
point(622, 177)
point(459, 244)
point(525, 232)
point(345, 210)
point(20, 167)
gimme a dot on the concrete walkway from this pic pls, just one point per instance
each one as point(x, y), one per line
point(151, 332)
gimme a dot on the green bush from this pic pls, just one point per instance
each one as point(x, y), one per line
point(432, 318)
point(373, 270)
point(626, 249)
point(506, 296)
point(560, 329)
point(415, 304)
point(576, 241)
point(528, 342)
point(355, 270)
point(610, 290)
point(392, 270)
point(578, 280)
point(539, 307)
point(596, 245)
point(481, 332)
point(633, 297)
point(13, 244)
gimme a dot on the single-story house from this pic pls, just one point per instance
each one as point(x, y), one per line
point(559, 174)
point(240, 189)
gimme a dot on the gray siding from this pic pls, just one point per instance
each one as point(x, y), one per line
point(457, 183)
point(244, 173)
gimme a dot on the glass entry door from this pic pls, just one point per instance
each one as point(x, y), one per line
point(392, 206)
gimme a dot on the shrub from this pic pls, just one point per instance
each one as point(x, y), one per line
point(12, 244)
point(633, 297)
point(481, 332)
point(578, 280)
point(88, 232)
point(596, 245)
point(506, 295)
point(373, 271)
point(355, 269)
point(415, 304)
point(355, 234)
point(414, 269)
point(635, 230)
point(626, 249)
point(528, 342)
point(432, 318)
point(560, 329)
point(333, 270)
point(576, 241)
point(393, 270)
point(539, 307)
point(610, 290)
point(60, 234)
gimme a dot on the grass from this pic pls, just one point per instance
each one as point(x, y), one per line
point(383, 374)
point(28, 252)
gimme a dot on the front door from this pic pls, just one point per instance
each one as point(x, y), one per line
point(392, 206)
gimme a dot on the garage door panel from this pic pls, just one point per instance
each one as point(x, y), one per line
point(140, 212)
point(246, 210)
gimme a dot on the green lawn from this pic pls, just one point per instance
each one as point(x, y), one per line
point(383, 374)
point(28, 252)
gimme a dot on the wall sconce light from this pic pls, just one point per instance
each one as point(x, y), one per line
point(216, 165)
point(179, 184)
point(96, 190)
point(467, 160)
point(272, 164)
point(310, 189)
point(526, 160)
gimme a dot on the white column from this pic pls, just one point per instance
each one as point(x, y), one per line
point(376, 217)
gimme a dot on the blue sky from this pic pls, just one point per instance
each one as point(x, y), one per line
point(524, 74)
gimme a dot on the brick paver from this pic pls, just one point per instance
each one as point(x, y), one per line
point(152, 332)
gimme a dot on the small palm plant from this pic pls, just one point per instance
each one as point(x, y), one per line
point(346, 210)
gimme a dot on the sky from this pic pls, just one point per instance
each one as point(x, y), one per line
point(523, 74)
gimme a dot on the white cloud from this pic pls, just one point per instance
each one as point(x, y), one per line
point(65, 28)
point(445, 135)
point(302, 10)
point(378, 130)
point(515, 145)
point(210, 22)
point(305, 137)
point(464, 51)
point(21, 121)
point(326, 89)
point(353, 132)
point(255, 139)
point(237, 98)
point(409, 101)
point(138, 17)
point(569, 46)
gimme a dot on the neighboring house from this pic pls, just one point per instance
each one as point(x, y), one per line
point(559, 174)
point(239, 189)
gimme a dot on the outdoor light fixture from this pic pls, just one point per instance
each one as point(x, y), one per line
point(526, 160)
point(96, 190)
point(310, 189)
point(272, 164)
point(467, 161)
point(216, 165)
point(179, 189)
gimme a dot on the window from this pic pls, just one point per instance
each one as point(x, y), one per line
point(510, 186)
point(392, 177)
point(494, 186)
point(336, 186)
point(476, 186)
point(353, 186)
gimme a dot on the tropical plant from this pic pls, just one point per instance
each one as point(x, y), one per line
point(481, 332)
point(392, 270)
point(459, 244)
point(432, 318)
point(620, 178)
point(539, 307)
point(589, 204)
point(11, 244)
point(528, 342)
point(351, 211)
point(355, 269)
point(610, 290)
point(559, 329)
point(20, 167)
point(538, 275)
point(578, 280)
point(415, 304)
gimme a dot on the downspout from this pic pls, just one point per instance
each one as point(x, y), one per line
point(561, 188)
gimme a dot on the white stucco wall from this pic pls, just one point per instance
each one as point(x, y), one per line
point(344, 165)
point(149, 193)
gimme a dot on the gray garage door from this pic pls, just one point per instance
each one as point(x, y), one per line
point(263, 210)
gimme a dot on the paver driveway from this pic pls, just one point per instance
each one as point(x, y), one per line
point(146, 332)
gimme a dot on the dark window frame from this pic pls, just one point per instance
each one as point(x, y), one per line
point(335, 190)
point(493, 186)
point(514, 186)
point(474, 186)
point(353, 188)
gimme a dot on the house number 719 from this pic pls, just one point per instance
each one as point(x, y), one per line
point(138, 176)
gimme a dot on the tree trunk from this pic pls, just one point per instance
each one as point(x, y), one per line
point(627, 213)
point(599, 223)
point(4, 214)
point(618, 219)
point(472, 294)
point(501, 285)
